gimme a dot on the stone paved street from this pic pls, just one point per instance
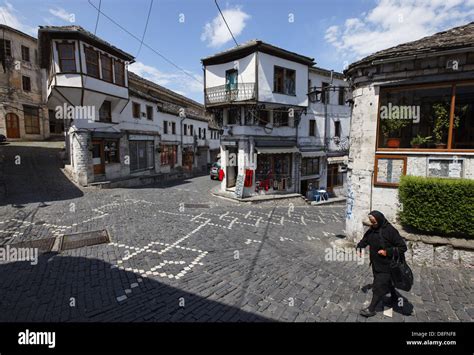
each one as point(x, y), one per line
point(180, 254)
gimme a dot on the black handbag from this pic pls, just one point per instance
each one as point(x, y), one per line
point(402, 276)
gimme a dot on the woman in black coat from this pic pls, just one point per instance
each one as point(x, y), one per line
point(383, 240)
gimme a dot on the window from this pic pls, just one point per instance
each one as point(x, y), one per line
point(284, 81)
point(233, 115)
point(325, 93)
point(106, 64)
point(149, 112)
point(105, 112)
point(26, 82)
point(185, 129)
point(136, 109)
point(280, 118)
point(199, 132)
point(168, 155)
point(119, 73)
point(165, 127)
point(173, 127)
point(309, 166)
point(5, 48)
point(111, 151)
point(337, 129)
point(203, 133)
point(142, 155)
point(191, 130)
point(67, 57)
point(25, 53)
point(421, 117)
point(463, 130)
point(341, 96)
point(263, 117)
point(31, 117)
point(92, 62)
point(312, 128)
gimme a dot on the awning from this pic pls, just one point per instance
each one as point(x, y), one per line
point(107, 135)
point(313, 154)
point(338, 160)
point(276, 150)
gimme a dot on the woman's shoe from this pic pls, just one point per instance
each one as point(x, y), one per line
point(366, 312)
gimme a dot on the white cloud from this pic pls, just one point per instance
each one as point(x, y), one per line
point(9, 16)
point(177, 81)
point(62, 14)
point(216, 32)
point(392, 22)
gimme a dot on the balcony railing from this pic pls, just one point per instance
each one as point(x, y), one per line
point(224, 94)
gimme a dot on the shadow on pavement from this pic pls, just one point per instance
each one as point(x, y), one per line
point(31, 174)
point(66, 288)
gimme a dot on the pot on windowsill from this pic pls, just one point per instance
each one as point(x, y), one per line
point(393, 143)
point(441, 145)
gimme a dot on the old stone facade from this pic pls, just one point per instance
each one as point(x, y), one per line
point(23, 110)
point(434, 72)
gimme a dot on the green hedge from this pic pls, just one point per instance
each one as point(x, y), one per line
point(437, 205)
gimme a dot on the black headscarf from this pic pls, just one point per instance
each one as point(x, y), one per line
point(381, 220)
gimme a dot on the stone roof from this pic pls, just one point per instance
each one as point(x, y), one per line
point(78, 30)
point(454, 38)
point(169, 101)
point(252, 46)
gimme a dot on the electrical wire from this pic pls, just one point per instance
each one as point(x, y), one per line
point(98, 15)
point(144, 31)
point(169, 61)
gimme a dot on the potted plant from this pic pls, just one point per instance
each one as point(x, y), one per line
point(391, 129)
point(418, 141)
point(441, 123)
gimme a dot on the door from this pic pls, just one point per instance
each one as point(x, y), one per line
point(232, 168)
point(231, 84)
point(13, 126)
point(98, 157)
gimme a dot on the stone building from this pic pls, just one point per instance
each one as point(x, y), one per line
point(257, 92)
point(23, 109)
point(413, 113)
point(120, 128)
point(323, 133)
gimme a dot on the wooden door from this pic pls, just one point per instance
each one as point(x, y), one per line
point(98, 157)
point(13, 125)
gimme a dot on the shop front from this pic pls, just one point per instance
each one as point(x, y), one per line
point(274, 173)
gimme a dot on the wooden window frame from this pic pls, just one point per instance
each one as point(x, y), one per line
point(136, 105)
point(173, 127)
point(26, 79)
point(92, 63)
point(445, 84)
point(312, 128)
point(107, 59)
point(337, 129)
point(388, 156)
point(121, 65)
point(60, 59)
point(149, 112)
point(25, 115)
point(25, 55)
point(285, 71)
point(7, 50)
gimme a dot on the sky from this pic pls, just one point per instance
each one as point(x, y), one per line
point(333, 32)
